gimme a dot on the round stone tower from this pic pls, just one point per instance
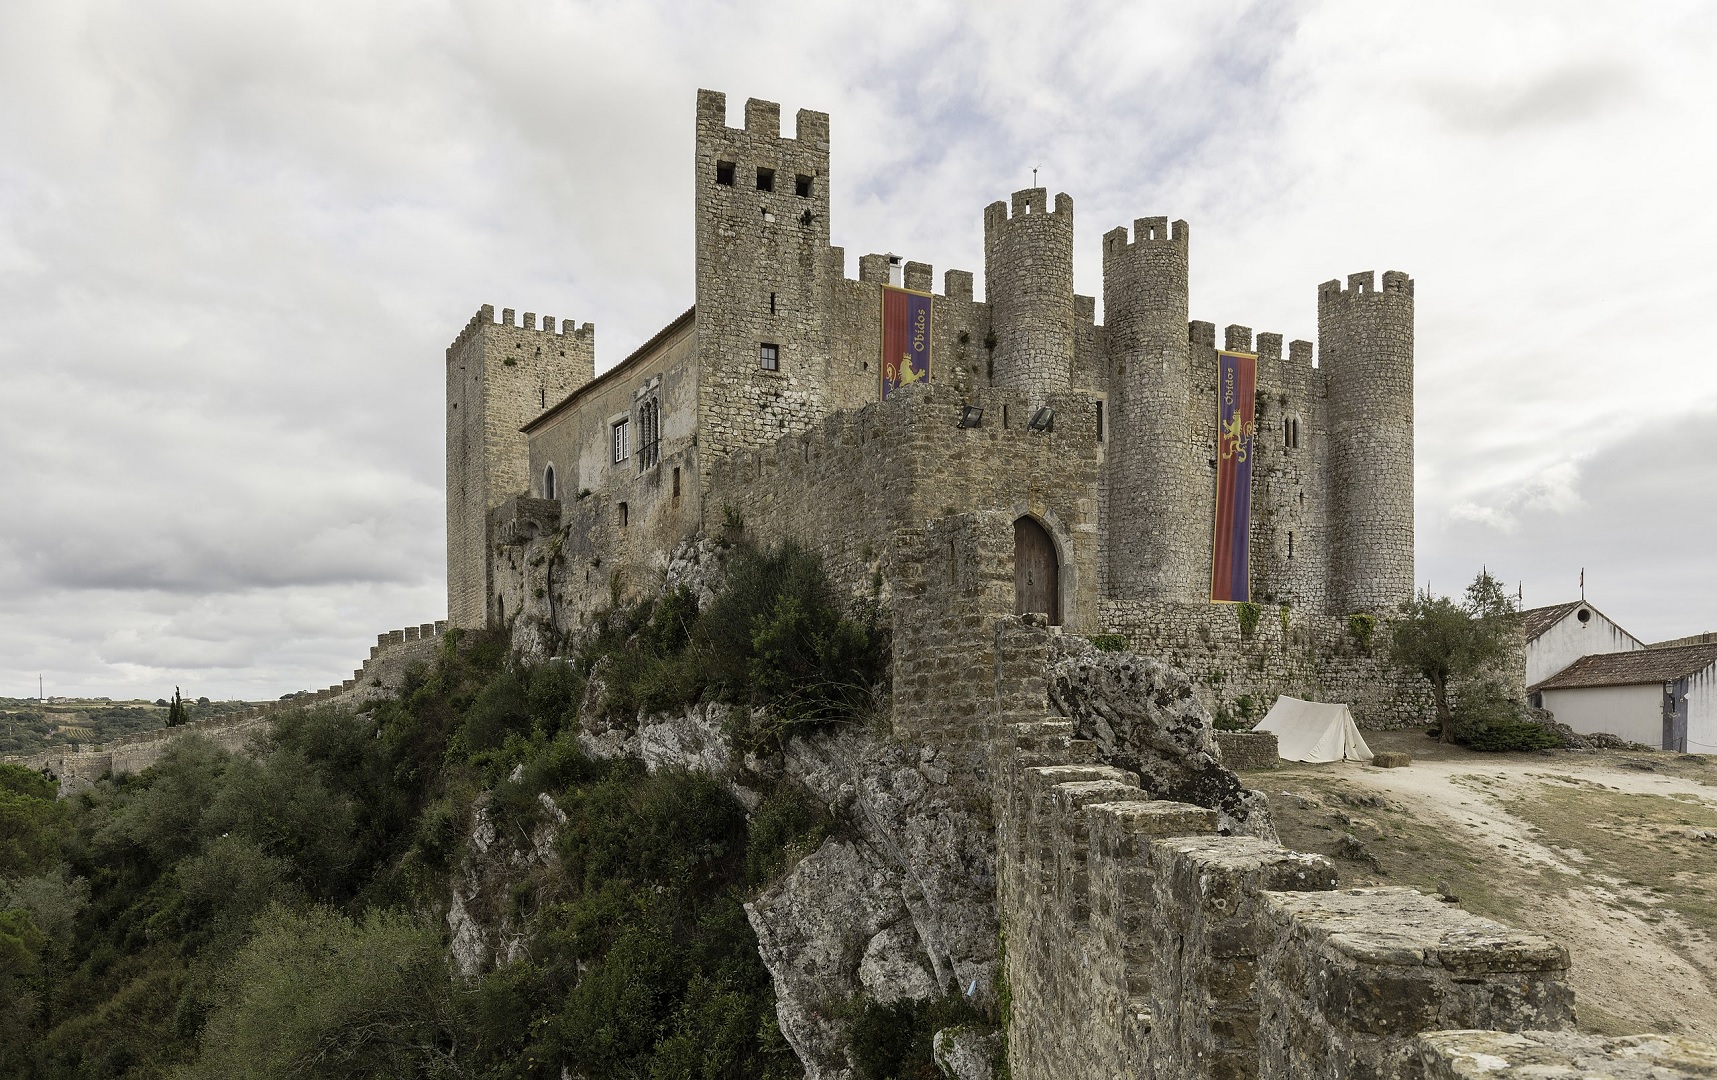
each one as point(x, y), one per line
point(1152, 476)
point(1365, 349)
point(1028, 282)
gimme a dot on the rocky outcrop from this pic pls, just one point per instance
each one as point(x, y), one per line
point(900, 904)
point(904, 907)
point(483, 927)
point(965, 1054)
point(1143, 717)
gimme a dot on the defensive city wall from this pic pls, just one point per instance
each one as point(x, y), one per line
point(381, 675)
point(1141, 943)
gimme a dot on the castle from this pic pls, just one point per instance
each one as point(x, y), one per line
point(1034, 480)
point(1083, 457)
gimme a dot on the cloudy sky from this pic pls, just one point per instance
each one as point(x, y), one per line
point(236, 238)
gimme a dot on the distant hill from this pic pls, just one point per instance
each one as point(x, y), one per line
point(28, 725)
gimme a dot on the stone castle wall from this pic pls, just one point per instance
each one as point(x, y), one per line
point(1140, 943)
point(382, 674)
point(1365, 344)
point(1316, 657)
point(500, 375)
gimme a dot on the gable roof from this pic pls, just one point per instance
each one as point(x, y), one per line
point(1534, 621)
point(642, 352)
point(1632, 668)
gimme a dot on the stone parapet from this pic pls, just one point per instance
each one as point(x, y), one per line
point(1538, 1055)
point(1141, 944)
point(1349, 978)
point(1205, 937)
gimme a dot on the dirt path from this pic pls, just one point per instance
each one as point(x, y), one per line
point(1639, 962)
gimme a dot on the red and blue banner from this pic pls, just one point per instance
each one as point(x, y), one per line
point(905, 338)
point(1236, 423)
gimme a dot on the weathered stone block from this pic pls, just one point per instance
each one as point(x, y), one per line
point(1205, 934)
point(1347, 979)
point(1498, 1055)
point(1249, 749)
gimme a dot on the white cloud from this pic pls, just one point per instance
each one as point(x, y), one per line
point(234, 241)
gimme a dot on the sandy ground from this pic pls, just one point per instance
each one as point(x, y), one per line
point(1637, 964)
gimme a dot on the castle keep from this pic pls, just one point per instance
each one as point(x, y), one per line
point(761, 403)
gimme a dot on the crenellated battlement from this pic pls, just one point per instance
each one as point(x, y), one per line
point(1142, 943)
point(485, 317)
point(1028, 203)
point(763, 120)
point(1364, 284)
point(1147, 232)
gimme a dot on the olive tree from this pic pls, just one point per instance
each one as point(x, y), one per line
point(1448, 642)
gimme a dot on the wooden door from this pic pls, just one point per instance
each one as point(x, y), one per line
point(1037, 573)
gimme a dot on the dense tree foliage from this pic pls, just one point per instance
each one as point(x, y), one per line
point(1456, 644)
point(280, 912)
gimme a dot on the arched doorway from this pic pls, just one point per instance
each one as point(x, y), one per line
point(1037, 572)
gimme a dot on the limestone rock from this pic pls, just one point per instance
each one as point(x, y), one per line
point(696, 564)
point(481, 927)
point(691, 739)
point(837, 911)
point(935, 837)
point(1145, 718)
point(903, 909)
point(964, 1054)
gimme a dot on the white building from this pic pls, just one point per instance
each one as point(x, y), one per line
point(1664, 697)
point(1558, 635)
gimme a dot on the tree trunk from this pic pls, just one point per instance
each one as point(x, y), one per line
point(1445, 715)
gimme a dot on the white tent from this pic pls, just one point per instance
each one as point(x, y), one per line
point(1314, 731)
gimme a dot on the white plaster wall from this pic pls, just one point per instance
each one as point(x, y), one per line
point(1569, 639)
point(1631, 712)
point(1702, 712)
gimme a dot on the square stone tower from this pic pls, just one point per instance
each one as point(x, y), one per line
point(499, 376)
point(761, 207)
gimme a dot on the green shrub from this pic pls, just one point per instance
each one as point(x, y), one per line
point(893, 1041)
point(1225, 719)
point(1249, 615)
point(1109, 642)
point(790, 823)
point(30, 820)
point(1488, 719)
point(319, 994)
point(1360, 627)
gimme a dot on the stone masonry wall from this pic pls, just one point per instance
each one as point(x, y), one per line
point(1141, 944)
point(1315, 657)
point(761, 217)
point(889, 496)
point(1365, 344)
point(1028, 282)
point(1153, 477)
point(499, 376)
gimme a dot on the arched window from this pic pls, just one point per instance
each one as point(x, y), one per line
point(649, 433)
point(548, 482)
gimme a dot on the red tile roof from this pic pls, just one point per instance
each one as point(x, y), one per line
point(1631, 668)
